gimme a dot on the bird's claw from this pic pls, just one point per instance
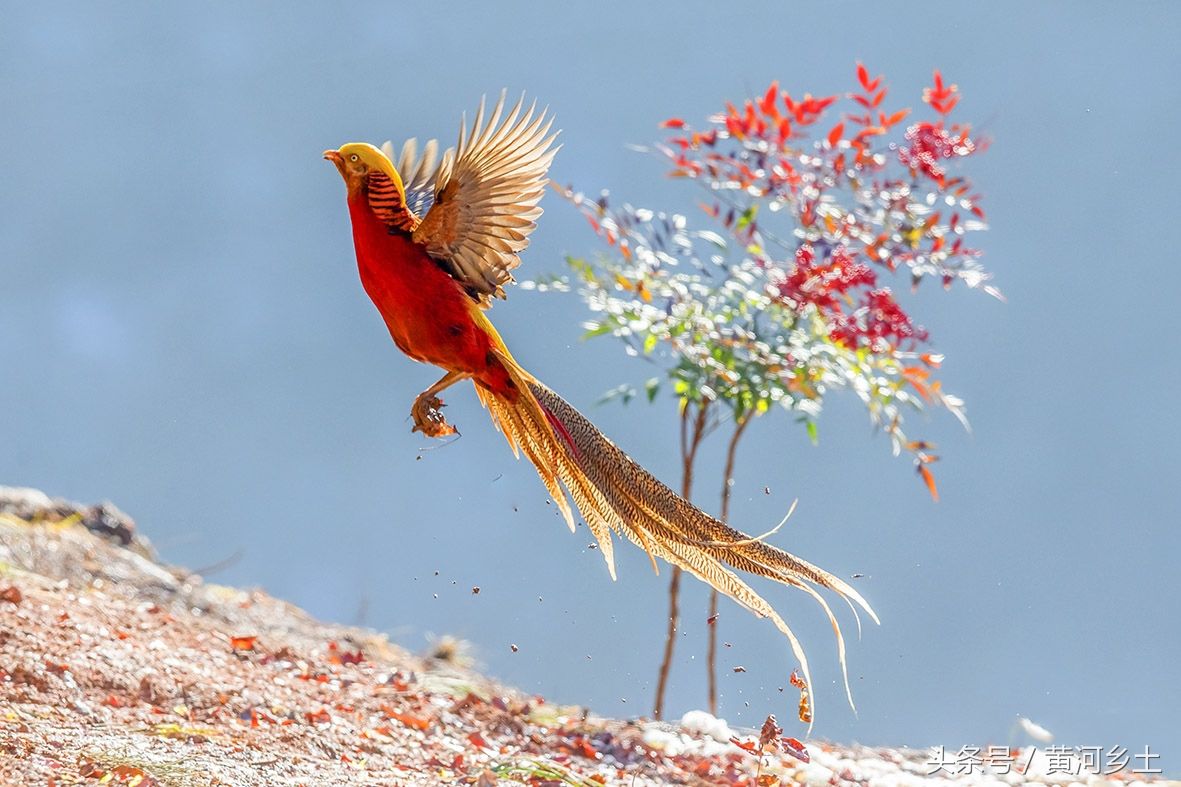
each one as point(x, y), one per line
point(428, 417)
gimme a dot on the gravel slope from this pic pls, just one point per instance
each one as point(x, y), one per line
point(116, 669)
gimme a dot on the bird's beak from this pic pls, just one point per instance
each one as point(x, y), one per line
point(335, 158)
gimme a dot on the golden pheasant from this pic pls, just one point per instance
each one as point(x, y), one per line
point(436, 238)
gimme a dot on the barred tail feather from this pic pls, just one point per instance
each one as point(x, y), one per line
point(614, 493)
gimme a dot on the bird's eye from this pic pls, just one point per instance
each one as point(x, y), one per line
point(354, 157)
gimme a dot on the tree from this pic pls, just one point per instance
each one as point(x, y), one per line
point(779, 300)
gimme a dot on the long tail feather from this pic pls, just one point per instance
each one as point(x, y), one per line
point(614, 493)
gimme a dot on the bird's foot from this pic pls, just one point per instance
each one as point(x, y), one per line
point(427, 412)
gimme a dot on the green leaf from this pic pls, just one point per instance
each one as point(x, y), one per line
point(650, 343)
point(812, 433)
point(599, 329)
point(581, 267)
point(748, 216)
point(625, 393)
point(652, 387)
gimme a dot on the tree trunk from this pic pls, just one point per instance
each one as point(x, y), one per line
point(711, 659)
point(691, 436)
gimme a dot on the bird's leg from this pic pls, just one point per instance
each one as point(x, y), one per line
point(427, 408)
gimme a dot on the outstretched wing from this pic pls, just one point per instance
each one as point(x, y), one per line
point(485, 202)
point(418, 172)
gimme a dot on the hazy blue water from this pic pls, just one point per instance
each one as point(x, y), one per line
point(182, 331)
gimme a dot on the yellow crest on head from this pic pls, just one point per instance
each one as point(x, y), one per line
point(373, 158)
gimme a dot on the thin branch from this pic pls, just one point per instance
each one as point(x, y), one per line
point(690, 442)
point(711, 658)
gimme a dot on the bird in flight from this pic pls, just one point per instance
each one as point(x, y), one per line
point(436, 237)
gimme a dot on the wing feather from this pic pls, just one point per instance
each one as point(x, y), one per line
point(486, 191)
point(418, 172)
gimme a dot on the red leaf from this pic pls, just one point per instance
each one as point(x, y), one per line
point(929, 480)
point(414, 722)
point(673, 123)
point(770, 731)
point(768, 103)
point(897, 117)
point(338, 656)
point(321, 716)
point(131, 775)
point(584, 747)
point(796, 749)
point(258, 714)
point(243, 643)
point(938, 80)
point(805, 709)
point(863, 75)
point(750, 746)
point(834, 136)
point(824, 103)
point(784, 129)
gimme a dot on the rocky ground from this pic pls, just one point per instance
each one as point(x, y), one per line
point(116, 669)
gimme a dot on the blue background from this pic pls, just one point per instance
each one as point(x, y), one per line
point(182, 331)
